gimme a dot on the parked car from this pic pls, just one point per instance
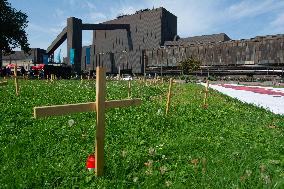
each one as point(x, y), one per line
point(127, 77)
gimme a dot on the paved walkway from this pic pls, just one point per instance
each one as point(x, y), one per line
point(266, 97)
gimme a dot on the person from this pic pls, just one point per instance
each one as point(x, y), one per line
point(8, 71)
point(4, 72)
point(23, 71)
point(31, 73)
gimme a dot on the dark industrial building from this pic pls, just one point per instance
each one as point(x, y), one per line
point(218, 53)
point(149, 30)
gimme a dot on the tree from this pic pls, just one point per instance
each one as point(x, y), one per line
point(189, 65)
point(12, 30)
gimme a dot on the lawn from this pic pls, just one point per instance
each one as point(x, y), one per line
point(228, 145)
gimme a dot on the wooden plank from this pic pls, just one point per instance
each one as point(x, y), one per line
point(100, 132)
point(123, 103)
point(169, 96)
point(57, 110)
point(3, 83)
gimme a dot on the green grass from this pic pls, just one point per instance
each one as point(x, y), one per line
point(228, 145)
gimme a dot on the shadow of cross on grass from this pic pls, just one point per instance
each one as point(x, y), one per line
point(99, 106)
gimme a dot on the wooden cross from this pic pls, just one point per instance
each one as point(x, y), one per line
point(99, 106)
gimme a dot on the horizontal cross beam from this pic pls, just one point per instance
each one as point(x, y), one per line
point(3, 83)
point(57, 110)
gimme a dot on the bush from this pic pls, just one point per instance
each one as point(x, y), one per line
point(189, 65)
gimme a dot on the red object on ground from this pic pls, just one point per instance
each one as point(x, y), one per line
point(255, 90)
point(91, 162)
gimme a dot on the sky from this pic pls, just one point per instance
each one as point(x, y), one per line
point(239, 19)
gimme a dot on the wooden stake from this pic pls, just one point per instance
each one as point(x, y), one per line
point(81, 79)
point(205, 103)
point(100, 106)
point(169, 96)
point(16, 80)
point(129, 88)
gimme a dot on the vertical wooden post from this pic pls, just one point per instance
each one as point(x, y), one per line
point(16, 80)
point(81, 79)
point(129, 88)
point(205, 104)
point(100, 107)
point(169, 96)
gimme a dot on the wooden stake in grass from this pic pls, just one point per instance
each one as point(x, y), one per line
point(99, 106)
point(81, 79)
point(129, 88)
point(205, 103)
point(169, 96)
point(16, 80)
